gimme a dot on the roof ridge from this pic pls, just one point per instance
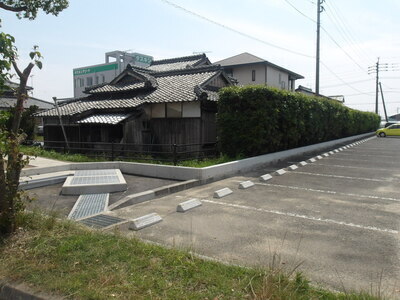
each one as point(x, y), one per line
point(200, 69)
point(178, 59)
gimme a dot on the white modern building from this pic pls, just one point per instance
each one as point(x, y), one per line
point(249, 69)
point(115, 63)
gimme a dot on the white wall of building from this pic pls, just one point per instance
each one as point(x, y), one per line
point(264, 74)
point(93, 75)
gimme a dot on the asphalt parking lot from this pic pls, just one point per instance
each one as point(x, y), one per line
point(337, 218)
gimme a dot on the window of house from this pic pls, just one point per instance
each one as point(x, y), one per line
point(81, 82)
point(103, 78)
point(174, 110)
point(253, 75)
point(89, 81)
point(96, 80)
point(191, 109)
point(158, 110)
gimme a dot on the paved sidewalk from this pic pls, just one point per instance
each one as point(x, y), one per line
point(40, 162)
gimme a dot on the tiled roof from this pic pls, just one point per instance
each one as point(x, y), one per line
point(120, 88)
point(172, 86)
point(6, 102)
point(85, 104)
point(178, 88)
point(178, 63)
point(105, 119)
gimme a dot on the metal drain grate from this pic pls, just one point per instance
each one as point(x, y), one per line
point(101, 221)
point(88, 205)
point(95, 172)
point(94, 179)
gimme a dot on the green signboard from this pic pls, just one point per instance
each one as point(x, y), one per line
point(88, 70)
point(143, 59)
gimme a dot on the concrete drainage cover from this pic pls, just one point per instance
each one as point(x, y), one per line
point(81, 173)
point(94, 182)
point(89, 205)
point(101, 221)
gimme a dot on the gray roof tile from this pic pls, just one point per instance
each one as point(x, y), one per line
point(113, 88)
point(105, 119)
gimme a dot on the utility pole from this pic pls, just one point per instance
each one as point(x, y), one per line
point(60, 119)
point(376, 90)
point(383, 101)
point(376, 69)
point(320, 9)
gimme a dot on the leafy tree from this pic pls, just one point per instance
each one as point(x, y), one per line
point(10, 200)
point(28, 122)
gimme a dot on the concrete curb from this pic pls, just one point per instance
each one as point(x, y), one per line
point(22, 292)
point(155, 193)
point(36, 183)
point(205, 175)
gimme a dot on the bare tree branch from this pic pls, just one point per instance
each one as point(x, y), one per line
point(19, 73)
point(12, 8)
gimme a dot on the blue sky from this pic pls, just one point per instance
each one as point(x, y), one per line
point(355, 33)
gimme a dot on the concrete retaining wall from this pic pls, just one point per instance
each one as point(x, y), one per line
point(247, 164)
point(206, 174)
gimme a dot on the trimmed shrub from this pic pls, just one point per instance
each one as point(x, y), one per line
point(255, 120)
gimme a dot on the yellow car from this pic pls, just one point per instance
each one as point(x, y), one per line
point(391, 130)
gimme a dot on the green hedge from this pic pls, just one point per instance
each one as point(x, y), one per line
point(257, 120)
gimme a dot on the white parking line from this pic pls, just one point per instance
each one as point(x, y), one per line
point(366, 155)
point(349, 167)
point(329, 192)
point(294, 215)
point(340, 176)
point(349, 159)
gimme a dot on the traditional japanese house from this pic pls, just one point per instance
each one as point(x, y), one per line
point(171, 102)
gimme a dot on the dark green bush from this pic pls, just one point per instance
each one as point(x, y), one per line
point(27, 124)
point(256, 120)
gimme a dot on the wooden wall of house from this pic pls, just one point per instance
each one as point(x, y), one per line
point(176, 131)
point(209, 127)
point(136, 130)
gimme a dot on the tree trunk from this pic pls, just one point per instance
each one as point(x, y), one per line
point(9, 180)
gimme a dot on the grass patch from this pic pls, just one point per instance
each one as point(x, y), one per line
point(63, 258)
point(194, 163)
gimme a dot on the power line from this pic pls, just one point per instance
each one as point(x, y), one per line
point(370, 103)
point(341, 84)
point(176, 6)
point(372, 93)
point(345, 52)
point(328, 34)
point(344, 82)
point(344, 25)
point(300, 12)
